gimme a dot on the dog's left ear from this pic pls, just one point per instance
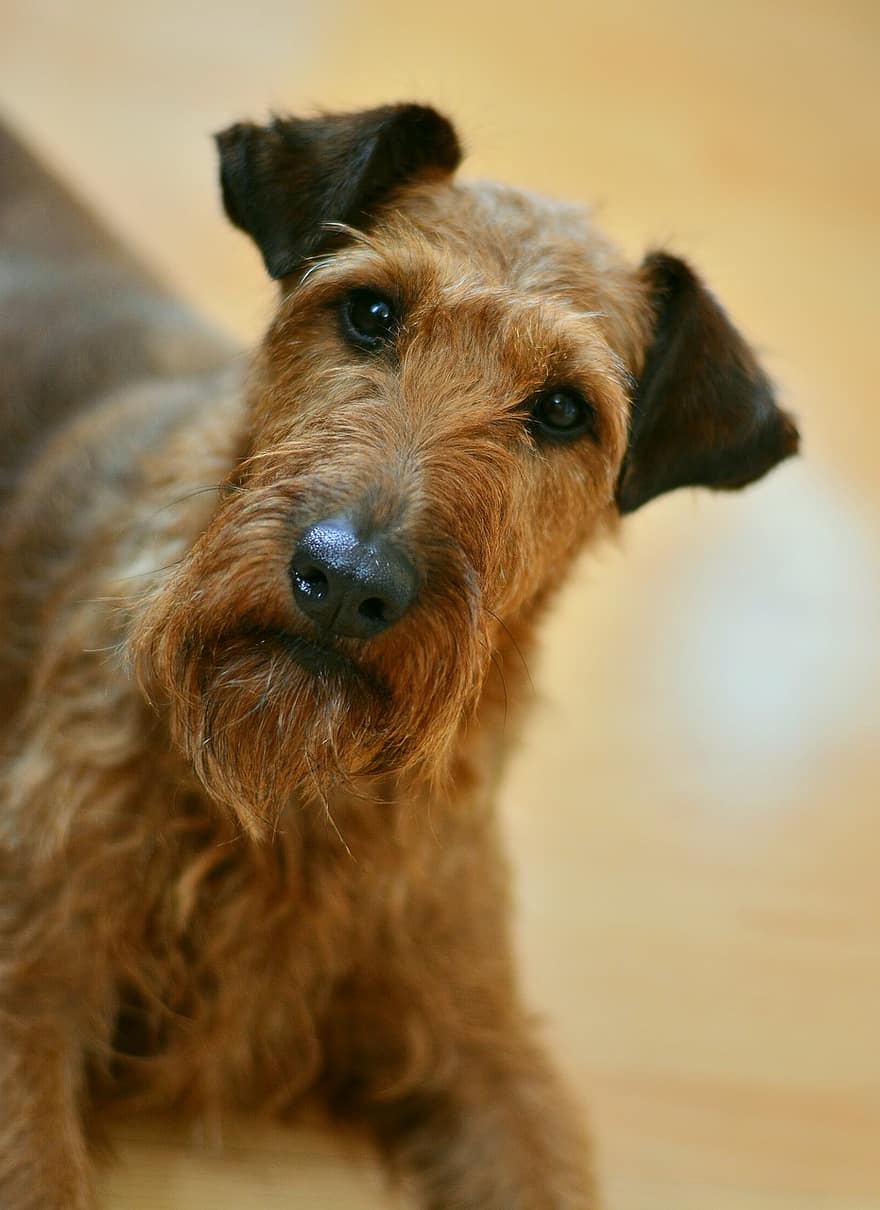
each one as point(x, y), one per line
point(283, 182)
point(703, 412)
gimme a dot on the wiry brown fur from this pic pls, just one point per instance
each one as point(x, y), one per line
point(228, 879)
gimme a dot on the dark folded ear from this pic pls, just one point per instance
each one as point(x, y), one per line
point(703, 412)
point(283, 182)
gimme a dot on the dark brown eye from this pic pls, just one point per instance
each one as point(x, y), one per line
point(368, 319)
point(562, 414)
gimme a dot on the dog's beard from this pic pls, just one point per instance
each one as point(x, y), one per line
point(261, 729)
point(269, 714)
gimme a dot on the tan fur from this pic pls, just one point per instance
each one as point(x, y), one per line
point(228, 881)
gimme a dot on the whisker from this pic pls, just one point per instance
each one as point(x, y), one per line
point(324, 799)
point(196, 491)
point(515, 644)
point(154, 571)
point(498, 664)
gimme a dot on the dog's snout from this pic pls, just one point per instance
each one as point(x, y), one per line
point(351, 586)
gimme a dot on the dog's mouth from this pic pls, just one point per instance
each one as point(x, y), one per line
point(322, 658)
point(319, 658)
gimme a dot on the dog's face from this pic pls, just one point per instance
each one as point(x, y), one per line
point(461, 383)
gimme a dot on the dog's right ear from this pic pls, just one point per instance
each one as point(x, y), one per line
point(283, 182)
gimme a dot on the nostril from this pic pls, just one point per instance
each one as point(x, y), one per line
point(373, 609)
point(312, 580)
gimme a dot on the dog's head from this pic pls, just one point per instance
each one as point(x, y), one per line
point(461, 383)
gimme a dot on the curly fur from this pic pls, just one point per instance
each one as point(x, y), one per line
point(232, 878)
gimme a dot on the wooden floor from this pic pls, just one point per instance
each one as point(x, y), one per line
point(695, 811)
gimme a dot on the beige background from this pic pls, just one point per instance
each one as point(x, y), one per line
point(694, 812)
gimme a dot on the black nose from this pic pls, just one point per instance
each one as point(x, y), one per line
point(351, 586)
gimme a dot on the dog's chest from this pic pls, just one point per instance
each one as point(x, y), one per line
point(240, 953)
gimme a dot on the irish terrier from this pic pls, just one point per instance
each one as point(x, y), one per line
point(256, 631)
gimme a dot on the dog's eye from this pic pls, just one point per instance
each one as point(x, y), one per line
point(561, 414)
point(368, 319)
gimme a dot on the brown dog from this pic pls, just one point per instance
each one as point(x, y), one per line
point(254, 634)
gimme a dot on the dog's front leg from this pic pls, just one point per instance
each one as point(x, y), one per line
point(44, 1161)
point(495, 1133)
point(486, 1125)
point(430, 1046)
point(52, 998)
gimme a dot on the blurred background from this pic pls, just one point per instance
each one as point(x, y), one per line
point(694, 809)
